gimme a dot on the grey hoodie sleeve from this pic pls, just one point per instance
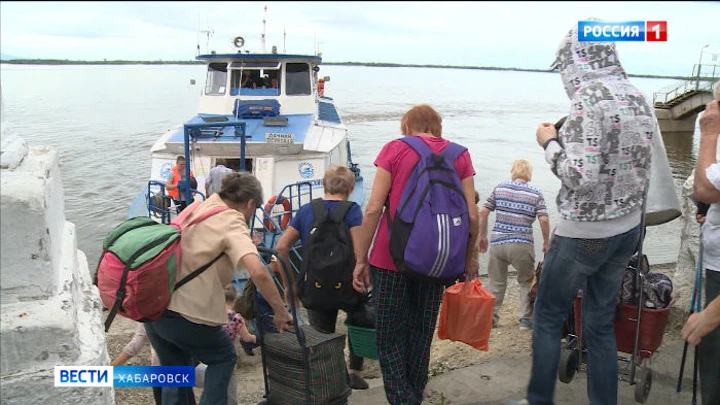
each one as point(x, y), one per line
point(577, 162)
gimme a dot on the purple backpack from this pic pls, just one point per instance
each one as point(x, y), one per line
point(430, 229)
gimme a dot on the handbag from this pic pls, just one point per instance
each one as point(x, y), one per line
point(466, 314)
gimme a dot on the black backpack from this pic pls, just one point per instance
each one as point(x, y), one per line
point(325, 282)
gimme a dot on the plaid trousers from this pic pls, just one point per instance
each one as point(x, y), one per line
point(407, 311)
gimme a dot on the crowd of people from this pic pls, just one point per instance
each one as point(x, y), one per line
point(597, 232)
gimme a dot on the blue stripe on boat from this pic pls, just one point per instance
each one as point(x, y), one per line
point(328, 112)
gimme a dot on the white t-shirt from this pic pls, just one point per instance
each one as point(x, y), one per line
point(711, 228)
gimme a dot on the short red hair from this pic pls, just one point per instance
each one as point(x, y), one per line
point(421, 119)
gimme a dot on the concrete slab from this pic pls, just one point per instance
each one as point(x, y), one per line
point(501, 379)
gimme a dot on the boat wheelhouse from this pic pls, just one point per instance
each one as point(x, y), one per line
point(261, 113)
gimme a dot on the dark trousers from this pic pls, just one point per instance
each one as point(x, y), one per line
point(407, 311)
point(157, 395)
point(325, 323)
point(709, 349)
point(179, 342)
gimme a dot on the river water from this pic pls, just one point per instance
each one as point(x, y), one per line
point(103, 120)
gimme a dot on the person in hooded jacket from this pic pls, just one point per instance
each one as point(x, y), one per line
point(602, 156)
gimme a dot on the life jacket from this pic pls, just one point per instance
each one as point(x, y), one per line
point(175, 193)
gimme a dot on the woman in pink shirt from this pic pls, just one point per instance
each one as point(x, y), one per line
point(407, 308)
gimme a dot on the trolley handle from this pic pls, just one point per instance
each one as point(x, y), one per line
point(291, 287)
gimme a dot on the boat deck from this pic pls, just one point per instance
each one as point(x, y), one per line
point(255, 129)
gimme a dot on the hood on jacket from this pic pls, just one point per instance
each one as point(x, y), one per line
point(583, 62)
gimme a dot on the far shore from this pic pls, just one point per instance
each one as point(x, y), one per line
point(367, 64)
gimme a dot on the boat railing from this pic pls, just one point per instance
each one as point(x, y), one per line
point(295, 195)
point(266, 226)
point(354, 167)
point(702, 80)
point(191, 131)
point(160, 205)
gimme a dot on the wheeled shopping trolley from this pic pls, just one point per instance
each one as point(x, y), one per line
point(638, 333)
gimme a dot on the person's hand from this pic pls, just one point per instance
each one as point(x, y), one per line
point(696, 327)
point(545, 131)
point(283, 321)
point(700, 218)
point(482, 244)
point(361, 277)
point(472, 267)
point(710, 120)
point(545, 247)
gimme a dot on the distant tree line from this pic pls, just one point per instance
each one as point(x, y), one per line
point(368, 64)
point(99, 62)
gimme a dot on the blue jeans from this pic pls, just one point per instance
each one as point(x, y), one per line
point(597, 266)
point(178, 341)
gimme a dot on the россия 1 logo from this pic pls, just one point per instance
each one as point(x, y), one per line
point(640, 31)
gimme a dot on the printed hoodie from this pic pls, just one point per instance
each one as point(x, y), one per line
point(604, 149)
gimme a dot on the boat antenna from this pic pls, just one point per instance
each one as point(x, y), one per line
point(284, 39)
point(198, 36)
point(262, 37)
point(208, 32)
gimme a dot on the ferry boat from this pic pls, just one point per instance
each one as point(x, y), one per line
point(264, 113)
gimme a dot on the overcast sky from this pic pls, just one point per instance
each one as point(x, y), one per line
point(500, 34)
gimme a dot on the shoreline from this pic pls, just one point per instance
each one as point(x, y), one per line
point(52, 62)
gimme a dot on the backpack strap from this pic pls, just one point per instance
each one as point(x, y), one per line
point(338, 215)
point(206, 214)
point(453, 151)
point(197, 272)
point(186, 213)
point(179, 221)
point(201, 217)
point(417, 144)
point(319, 211)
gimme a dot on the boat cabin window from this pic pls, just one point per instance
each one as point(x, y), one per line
point(255, 82)
point(216, 79)
point(297, 79)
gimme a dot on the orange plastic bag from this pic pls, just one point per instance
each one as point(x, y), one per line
point(466, 314)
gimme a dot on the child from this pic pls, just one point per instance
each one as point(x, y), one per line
point(236, 324)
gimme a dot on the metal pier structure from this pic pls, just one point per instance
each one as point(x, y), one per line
point(677, 105)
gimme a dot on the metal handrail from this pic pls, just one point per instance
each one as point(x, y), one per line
point(187, 135)
point(704, 77)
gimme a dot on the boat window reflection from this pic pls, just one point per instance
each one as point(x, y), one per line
point(216, 80)
point(297, 79)
point(255, 82)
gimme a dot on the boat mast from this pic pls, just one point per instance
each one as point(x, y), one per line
point(262, 37)
point(284, 39)
point(198, 36)
point(208, 33)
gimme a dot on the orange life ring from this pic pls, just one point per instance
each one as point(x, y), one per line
point(321, 87)
point(285, 220)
